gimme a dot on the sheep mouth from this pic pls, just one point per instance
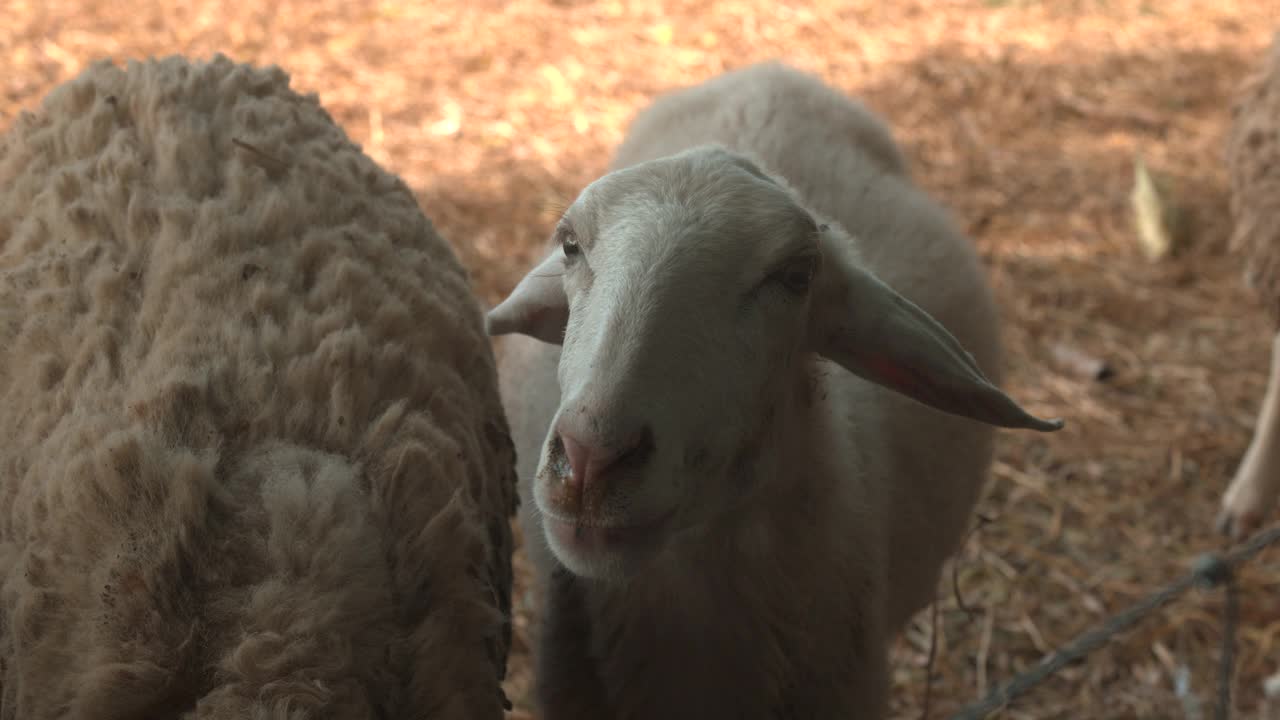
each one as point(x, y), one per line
point(588, 535)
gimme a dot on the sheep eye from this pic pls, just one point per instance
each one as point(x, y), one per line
point(569, 244)
point(796, 278)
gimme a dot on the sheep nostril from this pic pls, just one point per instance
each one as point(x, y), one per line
point(559, 460)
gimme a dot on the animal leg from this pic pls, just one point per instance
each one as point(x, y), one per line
point(1256, 485)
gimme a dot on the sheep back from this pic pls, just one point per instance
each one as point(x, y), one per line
point(1253, 168)
point(255, 463)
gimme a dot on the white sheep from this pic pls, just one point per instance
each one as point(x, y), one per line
point(254, 463)
point(1253, 163)
point(736, 500)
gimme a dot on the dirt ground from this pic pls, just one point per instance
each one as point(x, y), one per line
point(1023, 117)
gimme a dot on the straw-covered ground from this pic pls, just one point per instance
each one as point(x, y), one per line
point(1023, 117)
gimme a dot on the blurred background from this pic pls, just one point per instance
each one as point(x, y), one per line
point(1025, 118)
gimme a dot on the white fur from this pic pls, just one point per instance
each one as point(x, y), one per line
point(803, 509)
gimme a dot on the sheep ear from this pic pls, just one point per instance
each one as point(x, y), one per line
point(537, 307)
point(880, 336)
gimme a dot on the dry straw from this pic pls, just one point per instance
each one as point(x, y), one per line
point(1024, 117)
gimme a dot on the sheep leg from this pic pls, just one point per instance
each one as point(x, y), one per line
point(1254, 489)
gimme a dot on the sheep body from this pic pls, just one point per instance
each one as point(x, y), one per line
point(255, 460)
point(820, 141)
point(784, 607)
point(1253, 166)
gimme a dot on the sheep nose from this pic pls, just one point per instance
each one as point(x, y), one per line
point(592, 461)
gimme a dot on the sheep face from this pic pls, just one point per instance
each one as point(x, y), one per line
point(687, 284)
point(688, 294)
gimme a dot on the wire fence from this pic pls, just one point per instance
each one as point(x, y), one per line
point(1210, 570)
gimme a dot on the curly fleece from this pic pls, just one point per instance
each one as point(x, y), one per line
point(254, 461)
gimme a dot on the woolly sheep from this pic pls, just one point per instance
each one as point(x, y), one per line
point(255, 463)
point(731, 500)
point(1253, 163)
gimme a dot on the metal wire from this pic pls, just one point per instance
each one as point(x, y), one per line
point(1210, 570)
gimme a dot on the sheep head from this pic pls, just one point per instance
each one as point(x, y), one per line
point(690, 295)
